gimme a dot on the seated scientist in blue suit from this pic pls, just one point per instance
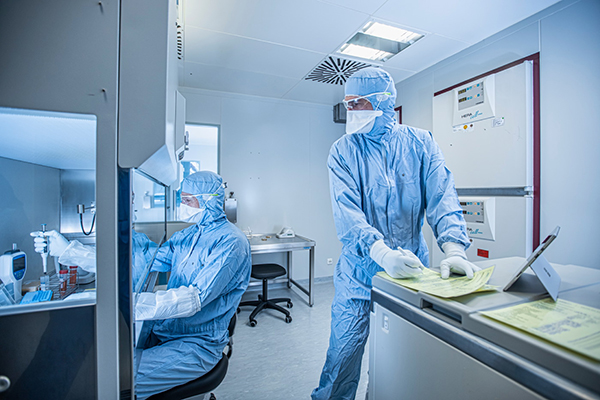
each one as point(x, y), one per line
point(210, 268)
point(384, 178)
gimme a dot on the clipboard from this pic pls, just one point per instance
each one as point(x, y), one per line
point(542, 268)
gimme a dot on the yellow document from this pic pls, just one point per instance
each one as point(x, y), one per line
point(568, 324)
point(431, 282)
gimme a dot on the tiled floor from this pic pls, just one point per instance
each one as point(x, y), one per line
point(279, 361)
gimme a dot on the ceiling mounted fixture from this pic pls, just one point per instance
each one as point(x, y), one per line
point(335, 70)
point(378, 42)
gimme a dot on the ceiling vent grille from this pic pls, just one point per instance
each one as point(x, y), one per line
point(335, 70)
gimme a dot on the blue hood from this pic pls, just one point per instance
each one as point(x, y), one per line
point(375, 80)
point(207, 182)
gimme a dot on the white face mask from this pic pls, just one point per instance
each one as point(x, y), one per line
point(361, 121)
point(190, 214)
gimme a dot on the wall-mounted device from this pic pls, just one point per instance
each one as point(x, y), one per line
point(231, 208)
point(480, 215)
point(475, 101)
point(339, 113)
point(13, 265)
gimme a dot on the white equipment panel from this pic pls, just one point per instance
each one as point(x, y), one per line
point(495, 152)
point(474, 101)
point(480, 215)
point(513, 224)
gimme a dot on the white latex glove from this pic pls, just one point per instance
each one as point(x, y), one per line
point(456, 261)
point(397, 263)
point(56, 242)
point(173, 303)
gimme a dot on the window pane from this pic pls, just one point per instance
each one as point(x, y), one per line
point(203, 153)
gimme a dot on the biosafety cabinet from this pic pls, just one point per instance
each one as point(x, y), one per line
point(88, 94)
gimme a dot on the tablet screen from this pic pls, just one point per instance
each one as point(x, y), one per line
point(536, 253)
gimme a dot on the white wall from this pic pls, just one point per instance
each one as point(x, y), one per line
point(566, 36)
point(273, 155)
point(30, 197)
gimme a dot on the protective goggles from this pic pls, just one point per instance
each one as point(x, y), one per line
point(188, 200)
point(362, 102)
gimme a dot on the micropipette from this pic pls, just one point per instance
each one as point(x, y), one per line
point(44, 254)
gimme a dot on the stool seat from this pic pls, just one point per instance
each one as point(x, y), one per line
point(267, 271)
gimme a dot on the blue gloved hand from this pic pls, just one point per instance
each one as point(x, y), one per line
point(456, 261)
point(396, 263)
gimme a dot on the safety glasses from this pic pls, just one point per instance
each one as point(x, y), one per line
point(362, 102)
point(188, 200)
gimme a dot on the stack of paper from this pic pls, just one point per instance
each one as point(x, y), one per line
point(431, 282)
point(571, 325)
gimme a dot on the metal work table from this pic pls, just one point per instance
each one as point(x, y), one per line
point(269, 243)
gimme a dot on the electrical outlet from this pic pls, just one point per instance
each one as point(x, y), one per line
point(329, 261)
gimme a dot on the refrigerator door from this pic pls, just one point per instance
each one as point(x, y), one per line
point(513, 216)
point(496, 152)
point(492, 162)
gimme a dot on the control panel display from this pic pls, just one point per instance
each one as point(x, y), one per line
point(471, 96)
point(473, 211)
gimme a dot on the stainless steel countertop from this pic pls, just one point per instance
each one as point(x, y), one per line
point(269, 243)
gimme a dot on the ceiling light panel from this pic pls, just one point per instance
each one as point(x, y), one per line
point(391, 33)
point(355, 50)
point(378, 42)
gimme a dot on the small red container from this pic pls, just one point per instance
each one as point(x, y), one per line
point(73, 275)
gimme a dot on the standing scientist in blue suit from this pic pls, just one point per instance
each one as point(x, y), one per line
point(384, 178)
point(210, 269)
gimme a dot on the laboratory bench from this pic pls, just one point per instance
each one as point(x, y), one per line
point(423, 346)
point(270, 243)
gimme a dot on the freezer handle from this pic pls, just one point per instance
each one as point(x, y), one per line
point(496, 192)
point(441, 312)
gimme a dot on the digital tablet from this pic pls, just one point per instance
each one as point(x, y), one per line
point(531, 259)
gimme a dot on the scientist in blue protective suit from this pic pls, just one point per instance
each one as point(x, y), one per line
point(210, 269)
point(384, 178)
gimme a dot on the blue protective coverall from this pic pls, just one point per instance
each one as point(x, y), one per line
point(219, 265)
point(382, 185)
point(142, 249)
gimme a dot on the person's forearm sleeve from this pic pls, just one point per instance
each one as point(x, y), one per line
point(81, 255)
point(228, 264)
point(164, 257)
point(444, 213)
point(351, 224)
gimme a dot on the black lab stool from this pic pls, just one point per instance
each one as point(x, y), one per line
point(266, 272)
point(207, 382)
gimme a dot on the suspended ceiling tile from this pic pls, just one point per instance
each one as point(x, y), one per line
point(316, 92)
point(236, 81)
point(367, 7)
point(425, 53)
point(398, 74)
point(235, 52)
point(469, 21)
point(308, 24)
